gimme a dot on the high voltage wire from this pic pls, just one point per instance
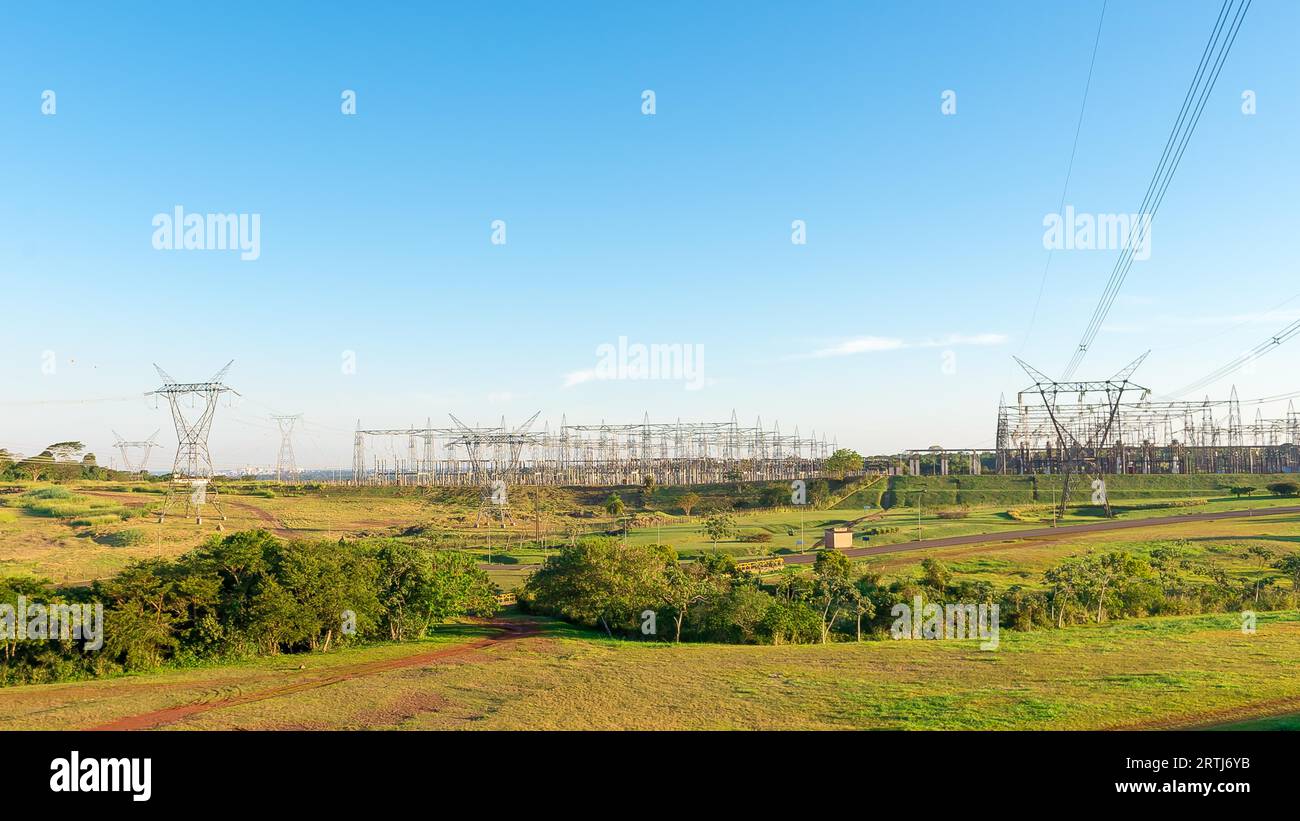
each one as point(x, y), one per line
point(1242, 361)
point(1069, 170)
point(33, 402)
point(1215, 54)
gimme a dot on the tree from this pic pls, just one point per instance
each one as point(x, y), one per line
point(405, 589)
point(736, 614)
point(791, 620)
point(614, 505)
point(844, 461)
point(1260, 554)
point(719, 526)
point(819, 493)
point(1290, 565)
point(1241, 490)
point(137, 638)
point(1285, 488)
point(324, 582)
point(861, 606)
point(648, 488)
point(685, 586)
point(689, 501)
point(600, 581)
point(774, 495)
point(1063, 590)
point(460, 587)
point(935, 575)
point(416, 588)
point(735, 475)
point(832, 591)
point(1103, 575)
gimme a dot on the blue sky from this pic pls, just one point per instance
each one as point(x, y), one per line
point(923, 230)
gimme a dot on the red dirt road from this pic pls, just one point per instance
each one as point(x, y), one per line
point(169, 715)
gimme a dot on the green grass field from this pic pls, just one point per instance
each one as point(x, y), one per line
point(1152, 673)
point(1149, 673)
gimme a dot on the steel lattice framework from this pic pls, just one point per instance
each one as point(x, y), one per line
point(192, 467)
point(192, 458)
point(1081, 438)
point(285, 462)
point(604, 454)
point(1109, 435)
point(126, 448)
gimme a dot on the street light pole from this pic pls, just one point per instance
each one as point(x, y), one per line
point(919, 494)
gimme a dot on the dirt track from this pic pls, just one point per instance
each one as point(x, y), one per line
point(169, 715)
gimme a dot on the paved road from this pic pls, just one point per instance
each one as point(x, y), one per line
point(1049, 532)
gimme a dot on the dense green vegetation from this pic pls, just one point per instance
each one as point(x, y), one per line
point(614, 584)
point(251, 594)
point(60, 503)
point(61, 461)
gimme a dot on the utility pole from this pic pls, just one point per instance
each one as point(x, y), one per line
point(919, 495)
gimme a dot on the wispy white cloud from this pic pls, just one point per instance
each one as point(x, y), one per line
point(878, 344)
point(578, 377)
point(862, 344)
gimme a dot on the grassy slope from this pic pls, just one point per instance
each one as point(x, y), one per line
point(1148, 673)
point(55, 548)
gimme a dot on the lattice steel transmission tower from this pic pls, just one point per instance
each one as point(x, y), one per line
point(192, 469)
point(1082, 437)
point(285, 462)
point(494, 462)
point(125, 448)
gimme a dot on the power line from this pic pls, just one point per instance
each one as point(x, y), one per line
point(1069, 170)
point(1242, 361)
point(1215, 54)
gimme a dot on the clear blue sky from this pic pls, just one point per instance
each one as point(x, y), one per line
point(923, 229)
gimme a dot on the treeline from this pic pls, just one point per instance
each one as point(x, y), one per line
point(624, 589)
point(251, 594)
point(60, 462)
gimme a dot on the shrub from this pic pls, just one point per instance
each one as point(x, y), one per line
point(1285, 488)
point(125, 538)
point(50, 493)
point(755, 537)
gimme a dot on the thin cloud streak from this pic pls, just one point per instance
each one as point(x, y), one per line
point(878, 344)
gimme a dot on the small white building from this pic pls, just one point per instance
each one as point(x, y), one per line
point(837, 537)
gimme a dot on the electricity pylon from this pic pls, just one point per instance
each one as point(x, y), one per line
point(192, 469)
point(494, 462)
point(285, 463)
point(1081, 441)
point(124, 447)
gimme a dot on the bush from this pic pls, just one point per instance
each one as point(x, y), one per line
point(1285, 488)
point(50, 493)
point(755, 537)
point(954, 513)
point(125, 538)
